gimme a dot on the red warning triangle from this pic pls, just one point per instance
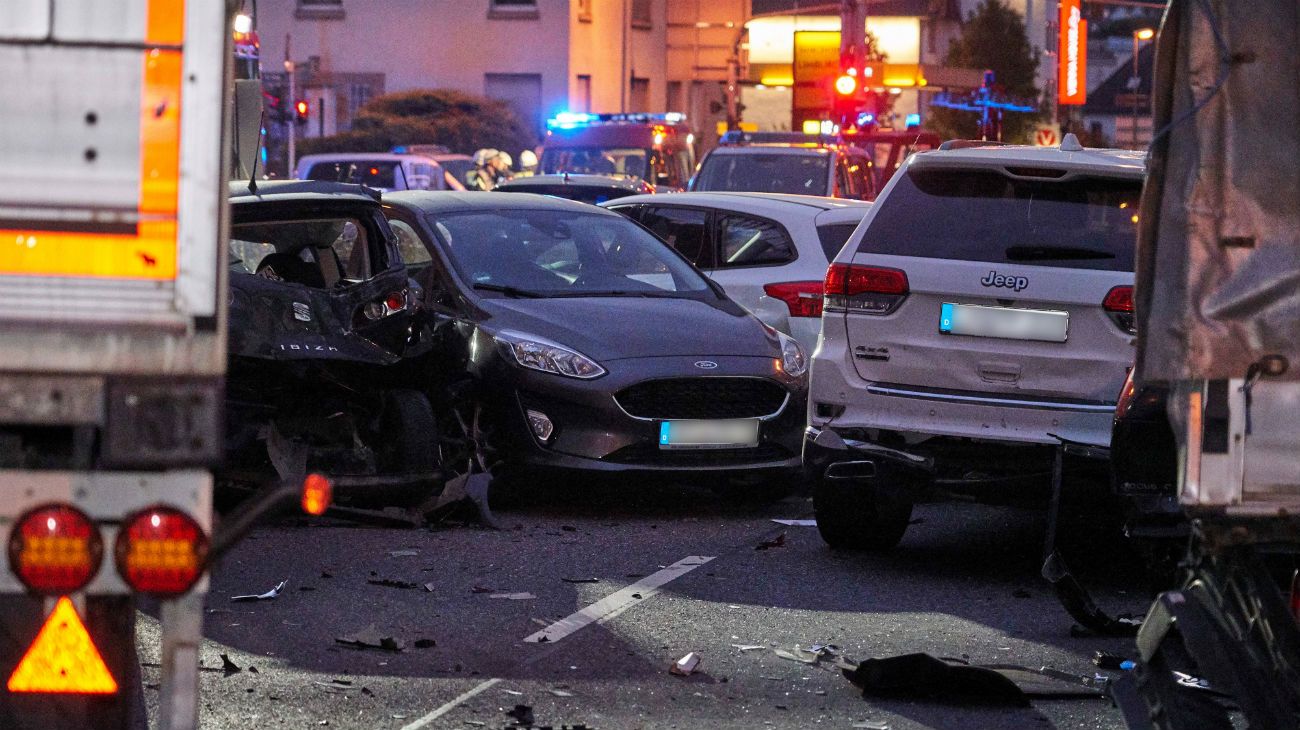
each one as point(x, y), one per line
point(63, 658)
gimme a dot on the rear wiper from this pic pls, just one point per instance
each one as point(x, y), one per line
point(1057, 253)
point(509, 291)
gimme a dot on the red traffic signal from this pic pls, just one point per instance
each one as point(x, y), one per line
point(845, 85)
point(302, 108)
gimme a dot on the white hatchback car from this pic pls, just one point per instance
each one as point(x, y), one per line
point(768, 251)
point(981, 314)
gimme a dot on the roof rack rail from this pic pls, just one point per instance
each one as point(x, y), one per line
point(965, 144)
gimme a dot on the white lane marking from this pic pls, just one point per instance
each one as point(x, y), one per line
point(453, 704)
point(618, 601)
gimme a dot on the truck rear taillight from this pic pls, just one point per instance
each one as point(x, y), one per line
point(804, 298)
point(161, 551)
point(55, 549)
point(1119, 306)
point(865, 289)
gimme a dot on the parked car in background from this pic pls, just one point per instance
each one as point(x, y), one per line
point(594, 189)
point(455, 166)
point(586, 344)
point(982, 313)
point(786, 162)
point(768, 251)
point(383, 171)
point(658, 148)
point(323, 324)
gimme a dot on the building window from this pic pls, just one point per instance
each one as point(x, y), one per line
point(512, 9)
point(584, 10)
point(316, 9)
point(639, 100)
point(582, 94)
point(641, 13)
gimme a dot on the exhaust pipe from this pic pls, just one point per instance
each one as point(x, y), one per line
point(850, 470)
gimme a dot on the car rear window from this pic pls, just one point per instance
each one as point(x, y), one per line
point(374, 173)
point(979, 215)
point(765, 173)
point(581, 193)
point(833, 237)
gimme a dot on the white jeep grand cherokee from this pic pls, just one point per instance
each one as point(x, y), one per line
point(981, 313)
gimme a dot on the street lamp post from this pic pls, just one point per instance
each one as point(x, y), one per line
point(1135, 81)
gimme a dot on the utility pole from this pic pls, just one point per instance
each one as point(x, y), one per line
point(292, 104)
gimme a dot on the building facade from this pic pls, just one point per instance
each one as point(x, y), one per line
point(542, 56)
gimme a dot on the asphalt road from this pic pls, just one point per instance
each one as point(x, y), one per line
point(963, 583)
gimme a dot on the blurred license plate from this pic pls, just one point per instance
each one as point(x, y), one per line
point(708, 434)
point(1013, 324)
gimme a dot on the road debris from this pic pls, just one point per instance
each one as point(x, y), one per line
point(560, 693)
point(514, 596)
point(371, 638)
point(337, 686)
point(925, 676)
point(269, 595)
point(523, 714)
point(424, 643)
point(685, 666)
point(428, 587)
point(776, 542)
point(872, 725)
point(403, 553)
point(392, 583)
point(229, 667)
point(581, 580)
point(812, 655)
point(482, 589)
point(797, 523)
point(513, 692)
point(749, 647)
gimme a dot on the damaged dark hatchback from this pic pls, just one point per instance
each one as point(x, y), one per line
point(585, 343)
point(325, 336)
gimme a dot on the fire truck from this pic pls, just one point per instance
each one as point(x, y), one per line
point(115, 144)
point(656, 148)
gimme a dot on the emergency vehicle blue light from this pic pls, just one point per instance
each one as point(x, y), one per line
point(866, 118)
point(399, 149)
point(912, 120)
point(568, 120)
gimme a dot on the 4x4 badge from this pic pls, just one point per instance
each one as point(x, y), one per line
point(1014, 283)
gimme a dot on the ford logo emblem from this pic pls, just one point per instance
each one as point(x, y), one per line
point(706, 364)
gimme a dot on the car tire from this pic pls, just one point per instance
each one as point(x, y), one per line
point(856, 517)
point(411, 432)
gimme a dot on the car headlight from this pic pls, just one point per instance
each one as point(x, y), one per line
point(793, 361)
point(541, 354)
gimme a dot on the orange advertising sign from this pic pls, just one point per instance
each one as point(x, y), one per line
point(1072, 55)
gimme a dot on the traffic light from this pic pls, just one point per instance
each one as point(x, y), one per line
point(301, 110)
point(846, 84)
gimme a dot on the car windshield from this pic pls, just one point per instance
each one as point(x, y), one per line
point(968, 215)
point(596, 160)
point(757, 172)
point(373, 173)
point(555, 253)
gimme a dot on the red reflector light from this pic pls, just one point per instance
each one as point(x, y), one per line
point(317, 493)
point(851, 280)
point(804, 298)
point(55, 549)
point(1119, 299)
point(161, 551)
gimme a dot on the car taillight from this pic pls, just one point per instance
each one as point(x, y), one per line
point(1119, 306)
point(161, 551)
point(865, 289)
point(804, 298)
point(55, 549)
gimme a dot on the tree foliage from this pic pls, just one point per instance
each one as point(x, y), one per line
point(993, 37)
point(461, 122)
